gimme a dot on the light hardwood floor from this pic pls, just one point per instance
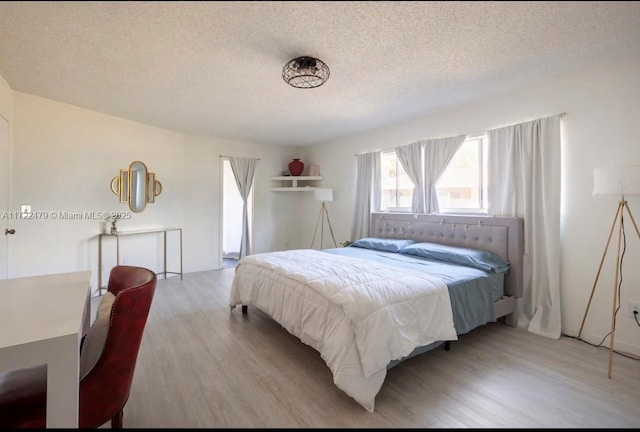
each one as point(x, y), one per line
point(201, 365)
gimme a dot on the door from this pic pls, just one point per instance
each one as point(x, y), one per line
point(4, 196)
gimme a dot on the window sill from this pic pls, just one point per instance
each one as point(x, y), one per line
point(397, 210)
point(465, 212)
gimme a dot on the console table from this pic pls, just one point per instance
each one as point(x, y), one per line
point(164, 232)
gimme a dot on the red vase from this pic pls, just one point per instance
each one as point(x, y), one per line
point(296, 167)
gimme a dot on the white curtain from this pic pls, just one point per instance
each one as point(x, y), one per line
point(437, 155)
point(367, 193)
point(524, 181)
point(243, 171)
point(410, 157)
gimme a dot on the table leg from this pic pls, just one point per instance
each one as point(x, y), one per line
point(180, 253)
point(165, 255)
point(100, 264)
point(63, 384)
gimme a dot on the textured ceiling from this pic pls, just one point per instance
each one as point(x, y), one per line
point(215, 68)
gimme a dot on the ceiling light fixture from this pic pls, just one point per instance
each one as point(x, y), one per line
point(305, 72)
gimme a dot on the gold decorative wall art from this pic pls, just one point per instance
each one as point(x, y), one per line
point(136, 186)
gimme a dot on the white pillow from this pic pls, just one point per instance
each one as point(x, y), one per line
point(96, 336)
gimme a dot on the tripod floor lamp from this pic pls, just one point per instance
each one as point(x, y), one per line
point(620, 181)
point(324, 195)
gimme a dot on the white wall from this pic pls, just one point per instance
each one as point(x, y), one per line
point(65, 158)
point(600, 129)
point(6, 100)
point(6, 112)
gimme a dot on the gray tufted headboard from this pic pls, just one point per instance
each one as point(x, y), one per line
point(500, 235)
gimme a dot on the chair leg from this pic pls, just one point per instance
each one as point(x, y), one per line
point(116, 421)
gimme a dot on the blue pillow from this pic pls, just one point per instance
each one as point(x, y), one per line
point(382, 244)
point(476, 258)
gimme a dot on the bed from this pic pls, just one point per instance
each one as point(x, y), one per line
point(365, 309)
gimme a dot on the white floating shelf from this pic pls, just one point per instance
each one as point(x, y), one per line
point(294, 183)
point(292, 178)
point(293, 189)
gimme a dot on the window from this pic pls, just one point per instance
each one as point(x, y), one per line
point(397, 187)
point(462, 188)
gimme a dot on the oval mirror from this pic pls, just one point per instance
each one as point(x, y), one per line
point(138, 186)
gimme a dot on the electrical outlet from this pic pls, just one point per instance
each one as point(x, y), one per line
point(634, 307)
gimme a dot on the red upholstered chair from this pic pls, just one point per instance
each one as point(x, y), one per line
point(104, 390)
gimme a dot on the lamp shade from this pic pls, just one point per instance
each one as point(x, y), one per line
point(323, 194)
point(624, 180)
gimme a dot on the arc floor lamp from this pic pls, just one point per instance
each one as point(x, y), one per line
point(620, 181)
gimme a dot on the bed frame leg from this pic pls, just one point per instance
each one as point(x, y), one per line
point(511, 320)
point(245, 309)
point(447, 345)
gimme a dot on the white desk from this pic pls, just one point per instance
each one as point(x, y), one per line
point(42, 319)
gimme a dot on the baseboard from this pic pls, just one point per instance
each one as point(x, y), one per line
point(622, 347)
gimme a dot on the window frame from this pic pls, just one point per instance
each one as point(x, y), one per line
point(394, 209)
point(483, 140)
point(483, 150)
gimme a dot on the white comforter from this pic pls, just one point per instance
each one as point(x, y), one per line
point(358, 314)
